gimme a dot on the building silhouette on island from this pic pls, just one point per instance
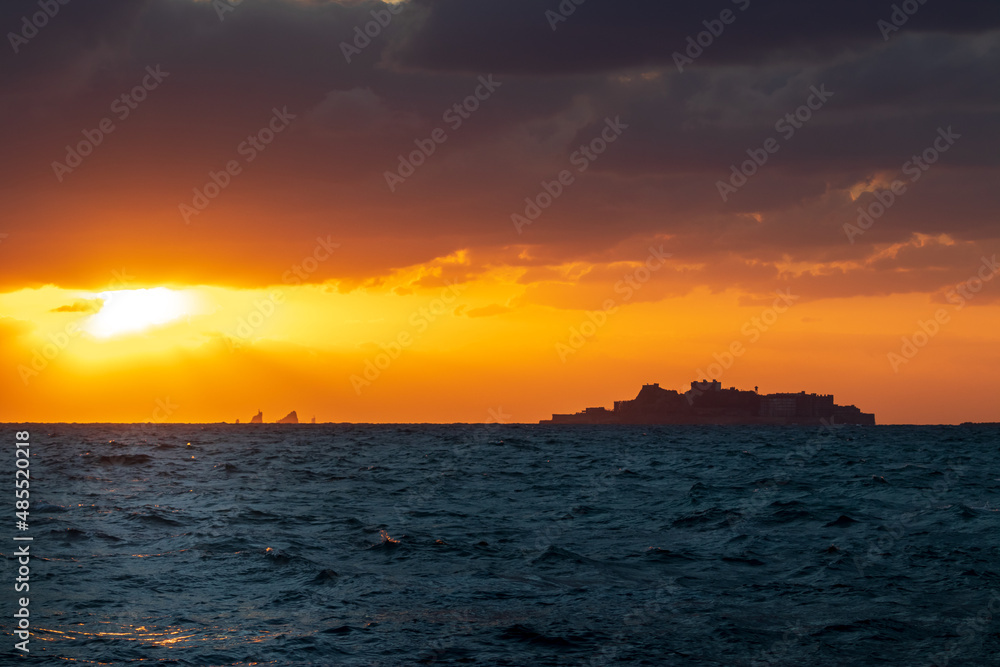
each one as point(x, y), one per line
point(708, 403)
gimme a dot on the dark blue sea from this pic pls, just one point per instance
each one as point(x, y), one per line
point(511, 545)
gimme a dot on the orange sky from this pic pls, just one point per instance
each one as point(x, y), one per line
point(306, 270)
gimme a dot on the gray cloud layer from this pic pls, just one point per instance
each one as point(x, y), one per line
point(326, 175)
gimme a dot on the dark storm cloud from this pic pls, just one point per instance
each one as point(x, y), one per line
point(516, 35)
point(325, 174)
point(882, 102)
point(74, 37)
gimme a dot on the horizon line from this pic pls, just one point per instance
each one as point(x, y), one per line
point(330, 423)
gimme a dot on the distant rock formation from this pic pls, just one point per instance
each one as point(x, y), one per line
point(314, 420)
point(292, 418)
point(258, 418)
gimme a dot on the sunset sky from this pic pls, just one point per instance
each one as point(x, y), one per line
point(488, 209)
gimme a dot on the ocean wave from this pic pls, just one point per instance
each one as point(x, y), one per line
point(582, 546)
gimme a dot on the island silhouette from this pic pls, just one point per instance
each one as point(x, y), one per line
point(290, 418)
point(706, 402)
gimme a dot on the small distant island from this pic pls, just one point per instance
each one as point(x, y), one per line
point(291, 418)
point(708, 403)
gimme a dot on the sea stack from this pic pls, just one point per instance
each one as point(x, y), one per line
point(258, 418)
point(292, 418)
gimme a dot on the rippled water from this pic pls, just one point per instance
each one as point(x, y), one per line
point(515, 545)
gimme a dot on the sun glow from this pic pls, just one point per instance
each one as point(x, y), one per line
point(131, 311)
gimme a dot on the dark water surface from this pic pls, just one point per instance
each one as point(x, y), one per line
point(513, 545)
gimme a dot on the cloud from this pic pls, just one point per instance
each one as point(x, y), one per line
point(344, 113)
point(517, 35)
point(80, 306)
point(325, 174)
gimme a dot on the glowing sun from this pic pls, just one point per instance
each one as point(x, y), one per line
point(131, 311)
